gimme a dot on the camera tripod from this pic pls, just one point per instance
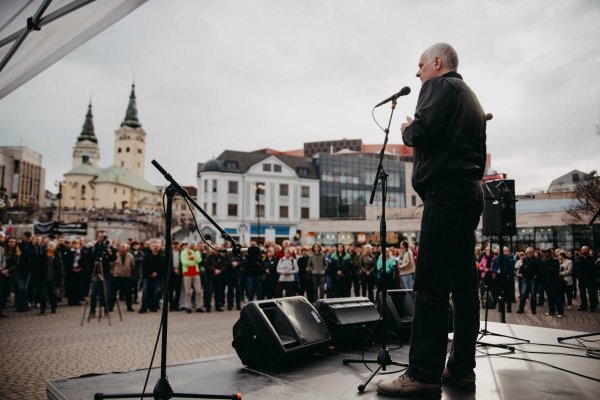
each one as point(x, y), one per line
point(100, 291)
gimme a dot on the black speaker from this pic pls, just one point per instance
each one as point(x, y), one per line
point(400, 311)
point(270, 333)
point(349, 319)
point(499, 210)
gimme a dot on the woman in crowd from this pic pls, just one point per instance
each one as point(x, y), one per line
point(317, 265)
point(407, 266)
point(341, 271)
point(566, 274)
point(390, 267)
point(51, 271)
point(366, 263)
point(269, 275)
point(287, 267)
point(487, 276)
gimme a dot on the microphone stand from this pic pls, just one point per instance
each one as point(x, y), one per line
point(162, 389)
point(383, 358)
point(501, 297)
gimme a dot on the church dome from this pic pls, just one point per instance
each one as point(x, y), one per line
point(213, 165)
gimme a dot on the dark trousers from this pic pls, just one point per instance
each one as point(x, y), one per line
point(174, 290)
point(555, 297)
point(98, 293)
point(588, 288)
point(122, 285)
point(73, 283)
point(446, 264)
point(253, 287)
point(289, 287)
point(368, 286)
point(528, 287)
point(150, 294)
point(234, 291)
point(48, 289)
point(566, 290)
point(21, 285)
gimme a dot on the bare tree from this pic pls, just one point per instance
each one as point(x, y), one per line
point(587, 192)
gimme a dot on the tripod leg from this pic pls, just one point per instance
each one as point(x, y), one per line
point(362, 386)
point(84, 310)
point(119, 309)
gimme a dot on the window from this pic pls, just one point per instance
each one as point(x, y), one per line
point(260, 210)
point(127, 150)
point(214, 186)
point(266, 167)
point(413, 200)
point(139, 151)
point(260, 187)
point(214, 209)
point(283, 211)
point(231, 165)
point(115, 190)
point(82, 192)
point(205, 188)
point(304, 191)
point(122, 163)
point(138, 164)
point(123, 191)
point(232, 210)
point(283, 189)
point(302, 171)
point(276, 167)
point(233, 187)
point(119, 150)
point(304, 212)
point(575, 178)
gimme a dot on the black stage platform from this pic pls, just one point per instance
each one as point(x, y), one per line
point(324, 377)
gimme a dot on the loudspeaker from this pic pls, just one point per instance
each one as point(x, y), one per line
point(270, 333)
point(499, 210)
point(400, 311)
point(349, 319)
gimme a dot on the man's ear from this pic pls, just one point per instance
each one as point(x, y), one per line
point(437, 63)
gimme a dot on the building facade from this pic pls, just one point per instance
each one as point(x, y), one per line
point(257, 195)
point(120, 186)
point(22, 177)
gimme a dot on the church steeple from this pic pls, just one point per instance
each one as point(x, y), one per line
point(87, 132)
point(131, 116)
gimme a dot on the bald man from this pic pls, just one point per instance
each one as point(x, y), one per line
point(448, 137)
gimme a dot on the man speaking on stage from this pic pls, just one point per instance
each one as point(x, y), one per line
point(448, 136)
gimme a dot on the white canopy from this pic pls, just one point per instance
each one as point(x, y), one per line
point(34, 34)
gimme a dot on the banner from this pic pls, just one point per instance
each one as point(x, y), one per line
point(73, 228)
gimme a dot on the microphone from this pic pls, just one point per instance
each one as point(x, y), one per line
point(405, 90)
point(488, 116)
point(237, 250)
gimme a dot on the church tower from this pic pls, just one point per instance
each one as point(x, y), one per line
point(87, 143)
point(130, 140)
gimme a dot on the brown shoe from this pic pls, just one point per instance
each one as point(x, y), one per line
point(405, 386)
point(466, 383)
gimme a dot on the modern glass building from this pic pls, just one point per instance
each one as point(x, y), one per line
point(346, 180)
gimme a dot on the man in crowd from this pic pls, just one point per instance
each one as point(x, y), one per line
point(529, 273)
point(588, 280)
point(152, 267)
point(448, 134)
point(121, 272)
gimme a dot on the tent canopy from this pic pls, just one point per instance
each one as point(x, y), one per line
point(34, 34)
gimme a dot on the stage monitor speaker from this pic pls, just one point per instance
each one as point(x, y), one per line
point(499, 208)
point(401, 311)
point(349, 319)
point(274, 332)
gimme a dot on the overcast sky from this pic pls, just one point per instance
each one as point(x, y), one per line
point(244, 75)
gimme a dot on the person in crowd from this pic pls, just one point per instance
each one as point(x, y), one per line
point(269, 277)
point(190, 260)
point(366, 263)
point(138, 257)
point(317, 265)
point(505, 278)
point(22, 274)
point(52, 274)
point(74, 275)
point(588, 280)
point(390, 266)
point(287, 267)
point(550, 275)
point(529, 273)
point(4, 277)
point(518, 265)
point(448, 134)
point(341, 268)
point(487, 276)
point(152, 268)
point(121, 273)
point(406, 267)
point(354, 270)
point(175, 277)
point(215, 266)
point(305, 280)
point(253, 272)
point(12, 254)
point(233, 276)
point(566, 274)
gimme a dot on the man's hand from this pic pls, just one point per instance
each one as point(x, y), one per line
point(175, 271)
point(154, 275)
point(405, 125)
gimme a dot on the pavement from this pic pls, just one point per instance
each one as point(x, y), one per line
point(35, 348)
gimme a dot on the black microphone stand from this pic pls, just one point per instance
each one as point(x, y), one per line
point(162, 389)
point(504, 192)
point(383, 358)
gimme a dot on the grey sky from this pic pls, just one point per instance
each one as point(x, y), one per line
point(244, 75)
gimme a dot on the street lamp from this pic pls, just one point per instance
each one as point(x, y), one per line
point(258, 189)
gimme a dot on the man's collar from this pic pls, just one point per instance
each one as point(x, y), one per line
point(452, 74)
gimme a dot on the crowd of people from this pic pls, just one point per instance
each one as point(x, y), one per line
point(41, 271)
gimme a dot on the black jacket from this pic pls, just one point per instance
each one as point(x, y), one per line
point(448, 133)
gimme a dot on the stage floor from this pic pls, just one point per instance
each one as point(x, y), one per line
point(325, 377)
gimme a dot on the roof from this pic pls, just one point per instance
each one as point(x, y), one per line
point(125, 177)
point(566, 183)
point(213, 165)
point(84, 169)
point(244, 160)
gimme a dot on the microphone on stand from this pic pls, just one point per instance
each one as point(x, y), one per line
point(488, 116)
point(405, 90)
